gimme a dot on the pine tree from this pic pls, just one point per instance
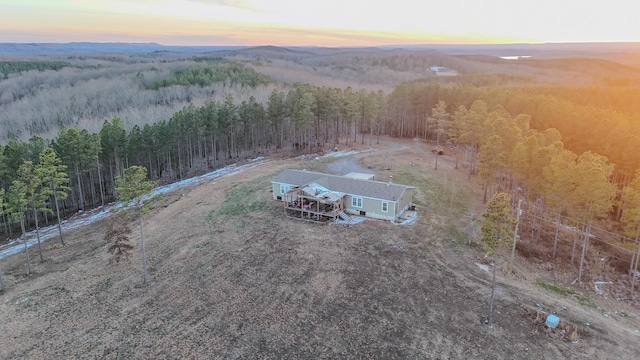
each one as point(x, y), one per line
point(17, 205)
point(2, 286)
point(53, 176)
point(131, 189)
point(79, 150)
point(492, 160)
point(631, 219)
point(631, 200)
point(439, 117)
point(33, 191)
point(497, 227)
point(275, 115)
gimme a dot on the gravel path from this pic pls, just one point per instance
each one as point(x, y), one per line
point(347, 165)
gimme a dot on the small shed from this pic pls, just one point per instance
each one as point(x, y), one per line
point(357, 175)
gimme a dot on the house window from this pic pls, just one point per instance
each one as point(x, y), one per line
point(284, 188)
point(385, 206)
point(356, 201)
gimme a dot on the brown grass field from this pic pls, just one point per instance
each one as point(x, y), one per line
point(232, 278)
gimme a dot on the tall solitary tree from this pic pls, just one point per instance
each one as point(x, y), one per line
point(131, 189)
point(497, 227)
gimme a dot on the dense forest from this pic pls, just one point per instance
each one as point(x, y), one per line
point(506, 122)
point(11, 67)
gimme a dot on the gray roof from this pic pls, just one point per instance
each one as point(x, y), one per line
point(357, 175)
point(321, 192)
point(360, 187)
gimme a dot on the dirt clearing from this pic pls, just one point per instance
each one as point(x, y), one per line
point(231, 277)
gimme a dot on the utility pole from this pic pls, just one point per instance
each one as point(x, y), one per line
point(437, 141)
point(634, 268)
point(515, 235)
point(585, 245)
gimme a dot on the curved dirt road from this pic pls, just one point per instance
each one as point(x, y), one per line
point(350, 163)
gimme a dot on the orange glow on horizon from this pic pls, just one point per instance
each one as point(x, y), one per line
point(327, 23)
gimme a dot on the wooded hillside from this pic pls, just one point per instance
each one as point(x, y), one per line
point(508, 121)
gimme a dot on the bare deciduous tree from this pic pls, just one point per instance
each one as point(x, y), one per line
point(117, 235)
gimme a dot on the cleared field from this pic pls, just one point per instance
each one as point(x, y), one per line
point(232, 277)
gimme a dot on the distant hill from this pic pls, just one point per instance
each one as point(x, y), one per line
point(533, 49)
point(611, 51)
point(101, 48)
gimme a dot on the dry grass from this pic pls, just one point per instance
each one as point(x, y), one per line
point(230, 280)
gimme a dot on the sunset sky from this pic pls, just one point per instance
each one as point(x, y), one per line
point(319, 22)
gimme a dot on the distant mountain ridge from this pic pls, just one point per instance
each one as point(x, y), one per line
point(540, 51)
point(101, 48)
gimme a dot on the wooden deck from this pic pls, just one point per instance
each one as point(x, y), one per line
point(301, 206)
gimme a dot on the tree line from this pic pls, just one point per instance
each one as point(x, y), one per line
point(39, 187)
point(197, 139)
point(509, 156)
point(509, 136)
point(79, 170)
point(11, 67)
point(36, 189)
point(221, 71)
point(546, 144)
point(515, 162)
point(610, 129)
point(310, 118)
point(83, 95)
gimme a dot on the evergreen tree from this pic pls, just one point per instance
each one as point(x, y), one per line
point(52, 173)
point(631, 201)
point(113, 141)
point(79, 150)
point(631, 220)
point(15, 152)
point(302, 115)
point(131, 189)
point(439, 116)
point(275, 115)
point(492, 159)
point(17, 205)
point(227, 115)
point(2, 286)
point(35, 196)
point(349, 110)
point(497, 227)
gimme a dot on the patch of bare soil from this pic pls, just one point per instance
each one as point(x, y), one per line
point(247, 282)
